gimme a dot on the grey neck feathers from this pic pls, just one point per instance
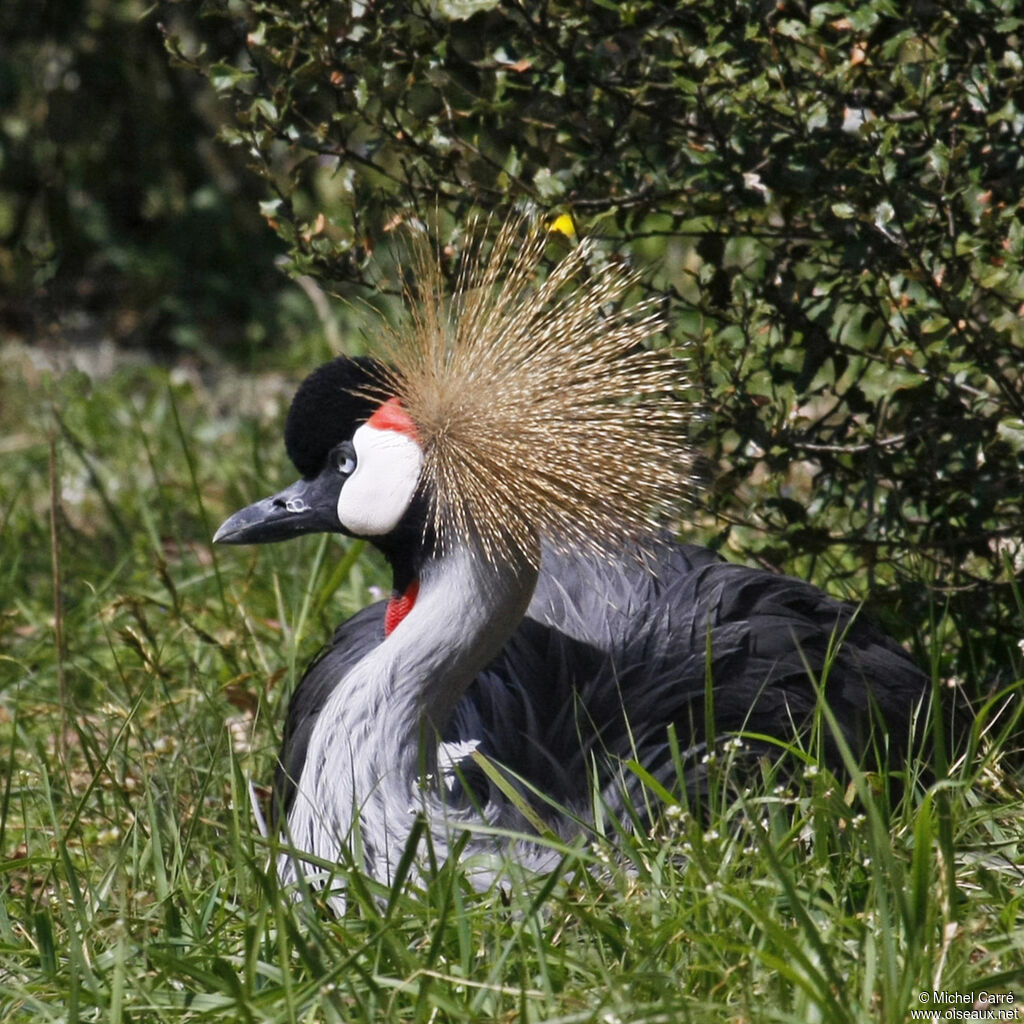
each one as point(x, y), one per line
point(373, 751)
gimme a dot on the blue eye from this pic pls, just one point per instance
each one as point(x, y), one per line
point(344, 459)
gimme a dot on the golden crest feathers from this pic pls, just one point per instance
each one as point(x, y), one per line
point(541, 411)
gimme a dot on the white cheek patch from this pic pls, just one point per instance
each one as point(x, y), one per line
point(378, 493)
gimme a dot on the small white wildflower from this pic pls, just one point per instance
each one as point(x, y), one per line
point(240, 730)
point(812, 771)
point(711, 836)
point(165, 745)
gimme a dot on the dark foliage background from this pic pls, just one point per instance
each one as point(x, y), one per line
point(120, 215)
point(829, 196)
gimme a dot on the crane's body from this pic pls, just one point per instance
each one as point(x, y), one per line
point(605, 659)
point(541, 632)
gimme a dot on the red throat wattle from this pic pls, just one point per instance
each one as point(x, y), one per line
point(399, 607)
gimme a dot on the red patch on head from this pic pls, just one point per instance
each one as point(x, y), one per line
point(399, 607)
point(391, 416)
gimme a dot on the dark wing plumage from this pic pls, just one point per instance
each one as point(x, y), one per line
point(610, 654)
point(352, 641)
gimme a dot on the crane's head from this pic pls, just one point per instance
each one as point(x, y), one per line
point(525, 405)
point(360, 456)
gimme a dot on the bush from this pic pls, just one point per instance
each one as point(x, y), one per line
point(828, 196)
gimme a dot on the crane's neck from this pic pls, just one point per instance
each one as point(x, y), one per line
point(375, 741)
point(447, 622)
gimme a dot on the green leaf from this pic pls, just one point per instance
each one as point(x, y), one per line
point(461, 10)
point(226, 77)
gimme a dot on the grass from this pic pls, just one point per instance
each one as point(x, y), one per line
point(135, 884)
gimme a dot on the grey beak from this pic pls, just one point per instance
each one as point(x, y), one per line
point(307, 506)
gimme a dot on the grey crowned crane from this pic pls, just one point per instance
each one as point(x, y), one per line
point(513, 457)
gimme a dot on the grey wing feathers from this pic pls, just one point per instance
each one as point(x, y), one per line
point(610, 654)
